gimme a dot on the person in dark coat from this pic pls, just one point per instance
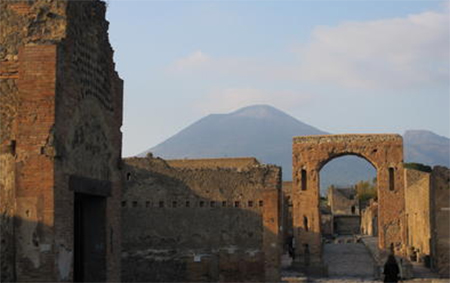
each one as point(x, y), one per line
point(291, 249)
point(391, 269)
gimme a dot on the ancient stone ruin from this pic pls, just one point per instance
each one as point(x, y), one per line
point(427, 196)
point(344, 211)
point(61, 112)
point(310, 154)
point(72, 210)
point(200, 220)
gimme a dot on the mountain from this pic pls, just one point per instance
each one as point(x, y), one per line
point(266, 133)
point(260, 131)
point(426, 147)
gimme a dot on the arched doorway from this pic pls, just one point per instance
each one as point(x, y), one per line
point(348, 191)
point(347, 186)
point(311, 153)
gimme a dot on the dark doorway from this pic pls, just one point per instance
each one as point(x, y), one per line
point(89, 238)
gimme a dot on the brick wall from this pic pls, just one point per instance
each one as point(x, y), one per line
point(88, 121)
point(61, 112)
point(206, 224)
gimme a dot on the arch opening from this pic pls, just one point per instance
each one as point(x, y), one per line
point(345, 154)
point(348, 187)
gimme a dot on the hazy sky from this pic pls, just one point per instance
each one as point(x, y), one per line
point(341, 66)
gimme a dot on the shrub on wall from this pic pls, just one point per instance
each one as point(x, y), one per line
point(418, 166)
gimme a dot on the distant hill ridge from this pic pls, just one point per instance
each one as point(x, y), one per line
point(265, 132)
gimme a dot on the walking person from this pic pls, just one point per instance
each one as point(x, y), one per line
point(391, 270)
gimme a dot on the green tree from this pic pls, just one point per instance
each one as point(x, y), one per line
point(366, 190)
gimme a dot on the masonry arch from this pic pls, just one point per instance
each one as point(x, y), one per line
point(311, 153)
point(342, 154)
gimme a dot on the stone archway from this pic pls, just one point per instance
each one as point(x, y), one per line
point(311, 153)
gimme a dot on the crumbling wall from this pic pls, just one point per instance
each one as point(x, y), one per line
point(88, 119)
point(26, 78)
point(326, 224)
point(344, 206)
point(369, 219)
point(237, 163)
point(8, 113)
point(56, 73)
point(417, 209)
point(199, 224)
point(440, 220)
point(286, 213)
point(343, 201)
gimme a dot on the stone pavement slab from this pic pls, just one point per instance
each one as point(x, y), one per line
point(348, 260)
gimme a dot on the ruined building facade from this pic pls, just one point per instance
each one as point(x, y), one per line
point(369, 219)
point(440, 220)
point(345, 215)
point(60, 143)
point(200, 220)
point(417, 209)
point(427, 196)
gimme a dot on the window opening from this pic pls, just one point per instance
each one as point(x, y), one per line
point(305, 223)
point(304, 183)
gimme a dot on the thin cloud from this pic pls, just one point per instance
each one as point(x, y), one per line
point(393, 53)
point(196, 60)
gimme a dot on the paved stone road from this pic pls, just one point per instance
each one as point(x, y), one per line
point(348, 263)
point(348, 260)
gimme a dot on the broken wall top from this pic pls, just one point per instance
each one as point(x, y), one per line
point(238, 162)
point(348, 138)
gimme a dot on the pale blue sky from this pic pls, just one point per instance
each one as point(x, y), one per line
point(341, 66)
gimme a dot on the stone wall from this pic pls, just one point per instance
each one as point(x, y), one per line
point(326, 223)
point(238, 163)
point(344, 206)
point(440, 220)
point(343, 201)
point(61, 112)
point(417, 208)
point(346, 224)
point(200, 224)
point(286, 213)
point(369, 219)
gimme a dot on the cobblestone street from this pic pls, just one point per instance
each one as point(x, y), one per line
point(348, 260)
